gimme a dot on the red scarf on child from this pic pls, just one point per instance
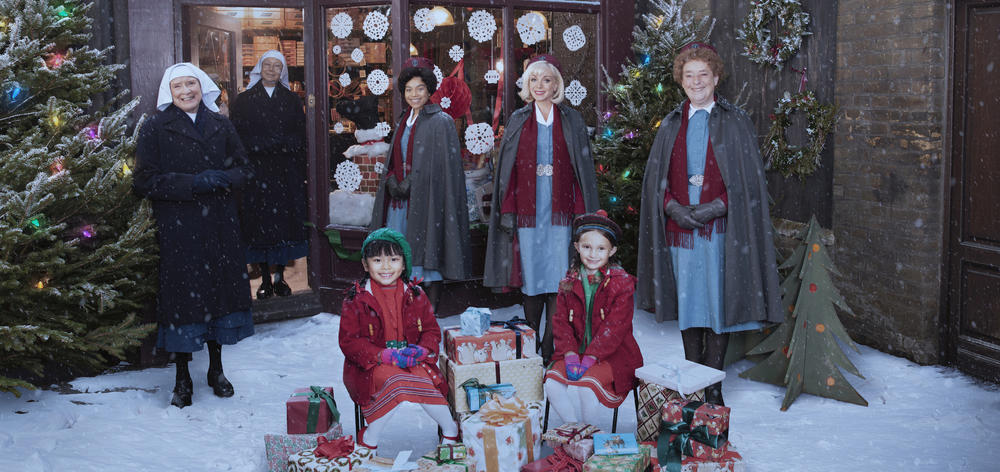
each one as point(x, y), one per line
point(567, 200)
point(677, 180)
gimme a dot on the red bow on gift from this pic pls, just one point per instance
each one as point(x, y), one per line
point(575, 434)
point(334, 449)
point(562, 462)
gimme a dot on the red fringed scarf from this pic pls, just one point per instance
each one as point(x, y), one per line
point(396, 167)
point(677, 178)
point(567, 200)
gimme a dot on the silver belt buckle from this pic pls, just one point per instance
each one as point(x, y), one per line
point(697, 180)
point(544, 170)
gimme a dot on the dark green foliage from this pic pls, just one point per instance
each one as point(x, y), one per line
point(77, 249)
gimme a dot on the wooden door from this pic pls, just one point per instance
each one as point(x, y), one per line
point(973, 321)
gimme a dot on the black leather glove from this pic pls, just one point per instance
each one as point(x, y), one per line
point(681, 215)
point(392, 188)
point(507, 222)
point(210, 181)
point(706, 212)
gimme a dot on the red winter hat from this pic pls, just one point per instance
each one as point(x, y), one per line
point(547, 58)
point(418, 62)
point(456, 90)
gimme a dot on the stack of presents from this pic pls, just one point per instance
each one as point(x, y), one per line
point(495, 393)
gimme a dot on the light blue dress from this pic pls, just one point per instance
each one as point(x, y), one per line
point(396, 217)
point(700, 270)
point(544, 248)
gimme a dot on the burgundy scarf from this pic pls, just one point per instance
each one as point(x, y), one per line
point(677, 178)
point(567, 200)
point(396, 167)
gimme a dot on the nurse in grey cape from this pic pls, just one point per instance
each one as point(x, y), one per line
point(706, 252)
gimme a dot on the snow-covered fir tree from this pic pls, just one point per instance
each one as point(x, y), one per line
point(77, 249)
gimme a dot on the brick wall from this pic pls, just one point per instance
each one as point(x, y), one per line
point(369, 178)
point(888, 175)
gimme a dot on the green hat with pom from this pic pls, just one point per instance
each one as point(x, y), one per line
point(393, 236)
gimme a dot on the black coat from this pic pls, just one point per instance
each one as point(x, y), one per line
point(202, 269)
point(273, 131)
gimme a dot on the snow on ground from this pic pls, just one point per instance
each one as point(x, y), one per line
point(919, 418)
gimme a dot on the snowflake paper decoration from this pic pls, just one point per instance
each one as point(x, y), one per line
point(519, 82)
point(531, 28)
point(422, 20)
point(338, 128)
point(341, 25)
point(345, 79)
point(482, 25)
point(456, 53)
point(445, 102)
point(492, 76)
point(575, 92)
point(336, 49)
point(379, 167)
point(479, 138)
point(383, 128)
point(347, 176)
point(357, 55)
point(378, 82)
point(574, 38)
point(438, 74)
point(376, 24)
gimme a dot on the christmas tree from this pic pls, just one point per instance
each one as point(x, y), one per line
point(77, 249)
point(644, 93)
point(805, 354)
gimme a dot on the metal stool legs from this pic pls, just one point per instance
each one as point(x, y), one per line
point(359, 419)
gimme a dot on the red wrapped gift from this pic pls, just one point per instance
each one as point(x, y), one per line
point(311, 409)
point(697, 429)
point(499, 343)
point(731, 461)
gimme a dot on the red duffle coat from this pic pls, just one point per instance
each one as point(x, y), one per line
point(362, 337)
point(611, 333)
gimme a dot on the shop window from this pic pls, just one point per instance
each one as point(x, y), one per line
point(570, 38)
point(360, 87)
point(466, 43)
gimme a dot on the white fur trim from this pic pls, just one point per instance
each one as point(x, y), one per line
point(380, 148)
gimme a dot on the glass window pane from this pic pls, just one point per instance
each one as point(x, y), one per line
point(359, 65)
point(570, 38)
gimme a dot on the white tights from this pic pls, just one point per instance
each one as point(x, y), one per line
point(574, 404)
point(439, 413)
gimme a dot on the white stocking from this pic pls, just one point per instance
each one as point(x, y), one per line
point(591, 409)
point(375, 429)
point(560, 399)
point(442, 415)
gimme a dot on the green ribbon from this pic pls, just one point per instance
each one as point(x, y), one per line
point(393, 344)
point(482, 391)
point(670, 452)
point(448, 461)
point(316, 397)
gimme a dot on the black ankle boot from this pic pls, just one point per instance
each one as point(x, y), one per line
point(216, 378)
point(265, 291)
point(282, 289)
point(183, 387)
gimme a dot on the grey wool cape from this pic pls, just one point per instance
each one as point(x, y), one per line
point(499, 243)
point(437, 220)
point(751, 276)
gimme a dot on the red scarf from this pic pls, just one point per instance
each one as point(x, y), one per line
point(567, 201)
point(396, 167)
point(677, 178)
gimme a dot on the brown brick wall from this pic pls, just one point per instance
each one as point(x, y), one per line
point(888, 174)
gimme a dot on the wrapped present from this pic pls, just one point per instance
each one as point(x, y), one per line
point(569, 432)
point(731, 461)
point(580, 449)
point(637, 462)
point(454, 452)
point(475, 321)
point(308, 461)
point(524, 374)
point(686, 424)
point(524, 337)
point(311, 409)
point(503, 435)
point(680, 375)
point(652, 397)
point(279, 446)
point(559, 461)
point(477, 394)
point(611, 444)
point(433, 463)
point(498, 343)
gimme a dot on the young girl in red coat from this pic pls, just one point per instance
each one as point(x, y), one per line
point(390, 341)
point(595, 353)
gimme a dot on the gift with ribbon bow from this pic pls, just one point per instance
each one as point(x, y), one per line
point(637, 462)
point(279, 446)
point(311, 409)
point(652, 397)
point(500, 342)
point(524, 336)
point(524, 374)
point(332, 449)
point(309, 461)
point(478, 394)
point(569, 432)
point(447, 458)
point(559, 461)
point(503, 435)
point(694, 429)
